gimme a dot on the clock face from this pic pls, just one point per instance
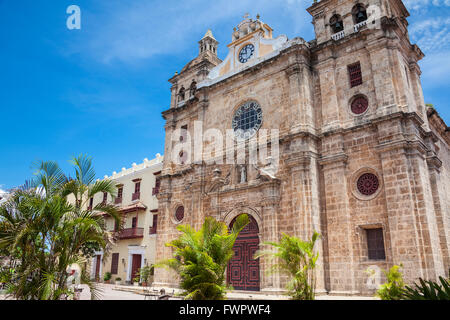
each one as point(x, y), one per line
point(247, 120)
point(246, 53)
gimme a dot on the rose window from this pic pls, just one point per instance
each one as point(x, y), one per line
point(360, 105)
point(179, 214)
point(368, 184)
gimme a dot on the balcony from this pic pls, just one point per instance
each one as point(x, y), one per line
point(136, 196)
point(131, 233)
point(360, 26)
point(155, 191)
point(118, 201)
point(338, 36)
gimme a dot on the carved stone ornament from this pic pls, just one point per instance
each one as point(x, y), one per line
point(268, 172)
point(218, 181)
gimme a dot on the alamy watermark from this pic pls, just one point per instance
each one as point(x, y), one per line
point(74, 20)
point(211, 147)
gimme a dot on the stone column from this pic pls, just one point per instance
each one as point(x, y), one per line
point(330, 106)
point(269, 232)
point(340, 234)
point(164, 277)
point(383, 70)
point(300, 114)
point(442, 215)
point(305, 207)
point(411, 215)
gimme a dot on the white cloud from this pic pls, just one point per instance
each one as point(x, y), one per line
point(432, 34)
point(436, 68)
point(416, 5)
point(134, 30)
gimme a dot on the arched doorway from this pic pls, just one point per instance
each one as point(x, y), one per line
point(243, 270)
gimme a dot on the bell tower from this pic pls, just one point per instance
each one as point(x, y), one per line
point(208, 43)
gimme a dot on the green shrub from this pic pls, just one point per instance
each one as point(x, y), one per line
point(146, 272)
point(394, 287)
point(107, 276)
point(428, 290)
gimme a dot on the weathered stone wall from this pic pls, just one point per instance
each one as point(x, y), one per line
point(305, 93)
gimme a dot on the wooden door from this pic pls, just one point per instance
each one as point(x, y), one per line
point(135, 266)
point(98, 261)
point(243, 270)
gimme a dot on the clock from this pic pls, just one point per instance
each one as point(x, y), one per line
point(247, 120)
point(246, 53)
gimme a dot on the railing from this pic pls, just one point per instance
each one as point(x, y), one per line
point(155, 191)
point(131, 233)
point(360, 25)
point(118, 201)
point(337, 36)
point(153, 230)
point(136, 196)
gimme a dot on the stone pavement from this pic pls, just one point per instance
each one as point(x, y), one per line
point(113, 292)
point(235, 295)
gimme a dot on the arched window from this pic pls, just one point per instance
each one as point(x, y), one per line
point(359, 13)
point(193, 89)
point(181, 94)
point(336, 23)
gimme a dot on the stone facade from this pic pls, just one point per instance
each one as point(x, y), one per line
point(305, 91)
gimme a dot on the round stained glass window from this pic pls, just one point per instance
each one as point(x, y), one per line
point(179, 214)
point(360, 105)
point(368, 184)
point(247, 120)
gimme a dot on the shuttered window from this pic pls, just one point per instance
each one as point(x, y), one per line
point(157, 186)
point(154, 228)
point(355, 74)
point(375, 244)
point(115, 263)
point(137, 187)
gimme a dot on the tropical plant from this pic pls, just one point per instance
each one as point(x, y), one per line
point(201, 257)
point(145, 273)
point(45, 232)
point(428, 290)
point(297, 259)
point(394, 287)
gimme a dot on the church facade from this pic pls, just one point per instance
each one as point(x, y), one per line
point(359, 157)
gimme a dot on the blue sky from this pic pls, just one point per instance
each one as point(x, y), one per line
point(101, 90)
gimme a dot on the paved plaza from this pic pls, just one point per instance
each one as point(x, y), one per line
point(113, 292)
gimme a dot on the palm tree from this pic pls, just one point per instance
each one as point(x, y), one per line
point(201, 257)
point(297, 259)
point(45, 233)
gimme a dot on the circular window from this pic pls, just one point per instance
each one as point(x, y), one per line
point(359, 105)
point(247, 120)
point(368, 184)
point(179, 214)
